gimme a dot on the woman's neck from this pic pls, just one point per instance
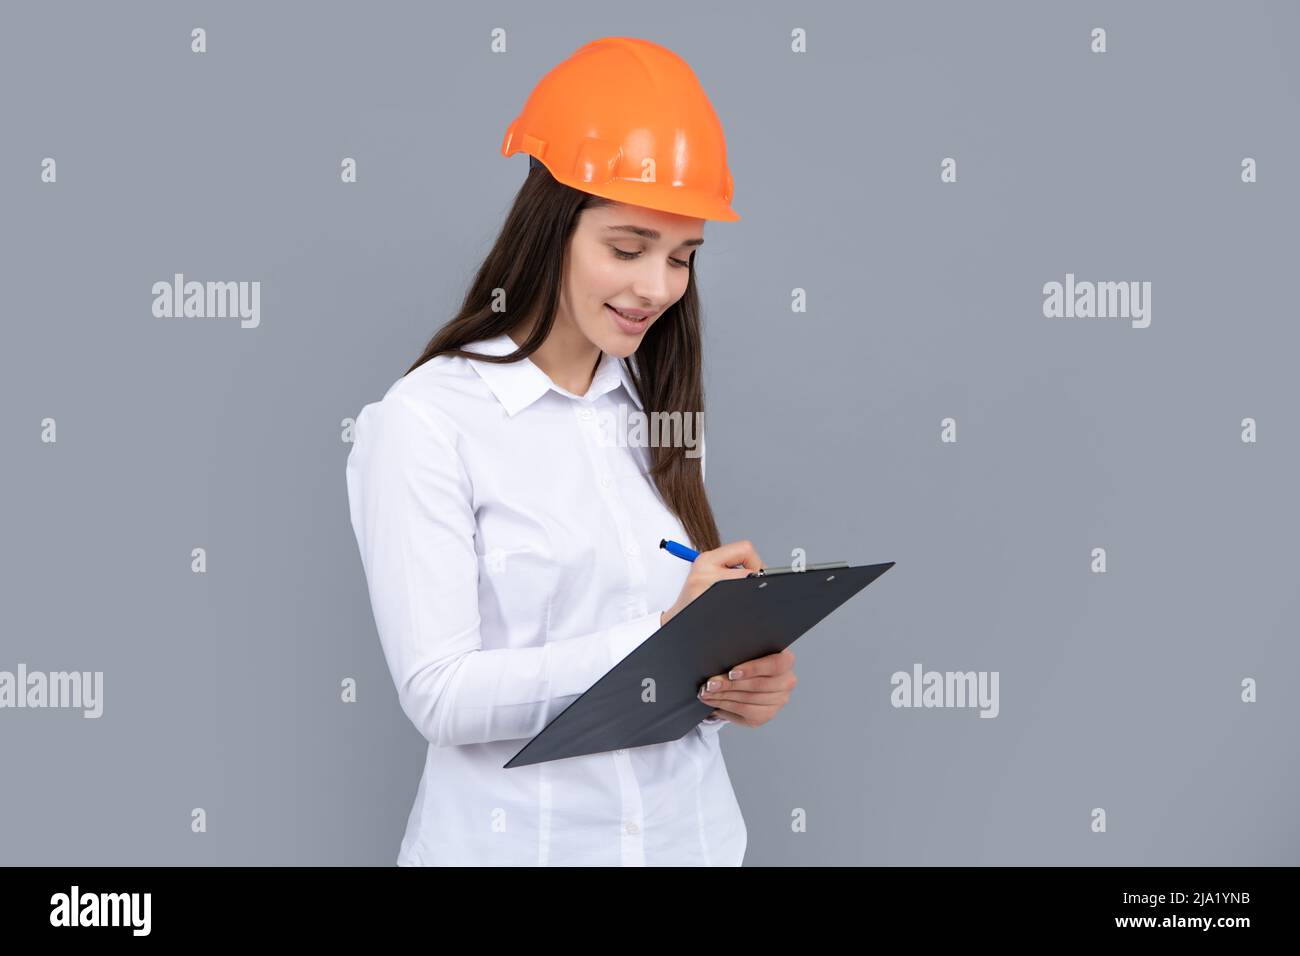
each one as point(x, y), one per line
point(568, 357)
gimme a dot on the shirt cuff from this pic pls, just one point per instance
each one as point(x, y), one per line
point(711, 725)
point(628, 636)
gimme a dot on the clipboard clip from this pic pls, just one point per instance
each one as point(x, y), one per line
point(826, 566)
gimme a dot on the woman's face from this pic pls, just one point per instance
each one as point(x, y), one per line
point(632, 258)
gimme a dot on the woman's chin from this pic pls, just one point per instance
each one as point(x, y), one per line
point(616, 343)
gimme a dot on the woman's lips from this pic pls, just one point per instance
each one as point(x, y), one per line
point(630, 326)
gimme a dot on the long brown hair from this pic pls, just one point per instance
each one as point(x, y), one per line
point(527, 262)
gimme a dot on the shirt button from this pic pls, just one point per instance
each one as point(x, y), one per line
point(604, 481)
point(633, 550)
point(584, 413)
point(631, 828)
point(620, 752)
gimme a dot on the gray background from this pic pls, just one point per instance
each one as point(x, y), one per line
point(1119, 690)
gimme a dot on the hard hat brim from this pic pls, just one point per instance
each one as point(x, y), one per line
point(635, 192)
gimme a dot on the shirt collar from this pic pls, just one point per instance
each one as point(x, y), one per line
point(517, 385)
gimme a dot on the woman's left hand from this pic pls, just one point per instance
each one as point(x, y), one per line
point(751, 693)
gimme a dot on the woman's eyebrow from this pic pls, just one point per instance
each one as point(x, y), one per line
point(653, 234)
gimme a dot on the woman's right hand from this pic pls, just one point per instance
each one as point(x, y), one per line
point(715, 565)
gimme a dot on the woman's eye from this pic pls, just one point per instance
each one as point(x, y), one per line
point(632, 255)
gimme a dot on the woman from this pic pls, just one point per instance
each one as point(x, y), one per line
point(509, 542)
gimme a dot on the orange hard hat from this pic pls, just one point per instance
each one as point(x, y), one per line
point(627, 119)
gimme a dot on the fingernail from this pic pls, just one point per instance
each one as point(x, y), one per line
point(711, 685)
point(735, 674)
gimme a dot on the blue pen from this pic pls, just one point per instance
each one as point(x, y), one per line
point(672, 547)
point(690, 554)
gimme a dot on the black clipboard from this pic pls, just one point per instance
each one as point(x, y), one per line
point(734, 620)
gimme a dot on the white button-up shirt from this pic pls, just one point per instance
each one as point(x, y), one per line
point(510, 543)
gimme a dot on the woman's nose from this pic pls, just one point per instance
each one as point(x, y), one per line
point(651, 285)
